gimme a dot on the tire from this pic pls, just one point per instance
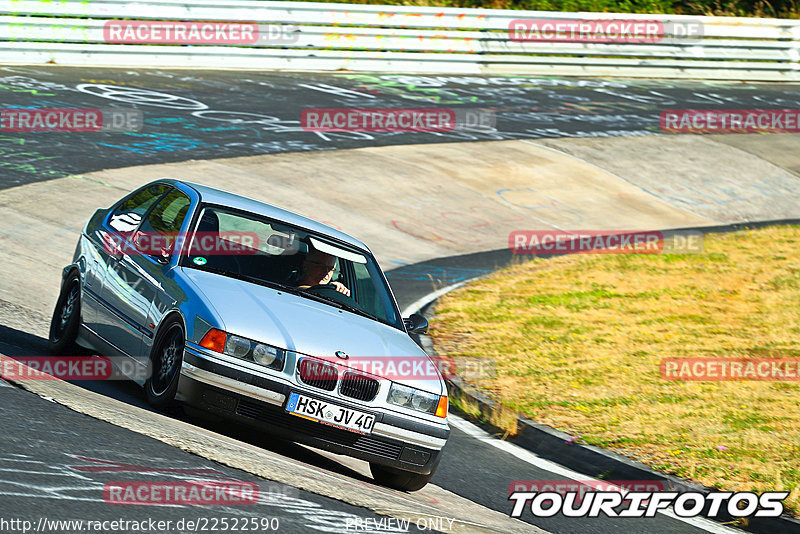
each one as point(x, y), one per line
point(66, 317)
point(399, 479)
point(165, 365)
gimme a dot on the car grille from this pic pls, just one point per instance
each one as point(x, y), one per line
point(317, 374)
point(358, 386)
point(350, 440)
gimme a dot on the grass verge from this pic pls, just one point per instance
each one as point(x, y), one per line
point(727, 8)
point(577, 341)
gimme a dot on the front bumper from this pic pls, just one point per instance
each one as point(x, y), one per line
point(258, 401)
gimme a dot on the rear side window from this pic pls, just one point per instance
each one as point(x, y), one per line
point(168, 215)
point(128, 215)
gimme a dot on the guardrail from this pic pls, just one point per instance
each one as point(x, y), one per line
point(399, 39)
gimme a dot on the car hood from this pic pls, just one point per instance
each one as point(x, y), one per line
point(309, 327)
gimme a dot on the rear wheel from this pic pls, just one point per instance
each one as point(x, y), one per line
point(399, 479)
point(165, 366)
point(66, 316)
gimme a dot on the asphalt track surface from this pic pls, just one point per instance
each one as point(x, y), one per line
point(200, 115)
point(215, 114)
point(55, 463)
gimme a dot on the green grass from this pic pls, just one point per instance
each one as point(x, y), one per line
point(737, 8)
point(577, 341)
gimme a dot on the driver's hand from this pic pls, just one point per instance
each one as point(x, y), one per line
point(341, 288)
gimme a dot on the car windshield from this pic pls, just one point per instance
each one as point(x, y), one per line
point(267, 252)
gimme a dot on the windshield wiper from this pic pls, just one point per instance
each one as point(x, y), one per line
point(259, 281)
point(312, 296)
point(244, 277)
point(359, 311)
point(348, 307)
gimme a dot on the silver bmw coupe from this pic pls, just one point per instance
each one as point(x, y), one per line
point(259, 315)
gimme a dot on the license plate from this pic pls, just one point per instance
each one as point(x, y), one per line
point(330, 414)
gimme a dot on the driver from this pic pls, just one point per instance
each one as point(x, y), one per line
point(317, 269)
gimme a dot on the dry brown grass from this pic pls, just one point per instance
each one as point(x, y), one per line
point(578, 340)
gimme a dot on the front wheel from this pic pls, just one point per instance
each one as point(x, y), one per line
point(399, 479)
point(66, 316)
point(165, 366)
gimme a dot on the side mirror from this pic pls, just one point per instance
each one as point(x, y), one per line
point(416, 324)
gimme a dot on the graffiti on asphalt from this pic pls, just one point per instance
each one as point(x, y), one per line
point(206, 114)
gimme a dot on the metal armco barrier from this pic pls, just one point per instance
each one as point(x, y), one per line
point(397, 39)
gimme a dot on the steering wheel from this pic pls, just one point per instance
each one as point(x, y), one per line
point(328, 290)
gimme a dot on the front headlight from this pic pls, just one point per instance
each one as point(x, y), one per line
point(266, 355)
point(237, 346)
point(416, 399)
point(244, 349)
point(400, 395)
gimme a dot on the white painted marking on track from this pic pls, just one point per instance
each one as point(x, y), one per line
point(430, 297)
point(58, 497)
point(28, 472)
point(531, 458)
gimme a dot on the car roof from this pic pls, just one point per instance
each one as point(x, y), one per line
point(213, 195)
